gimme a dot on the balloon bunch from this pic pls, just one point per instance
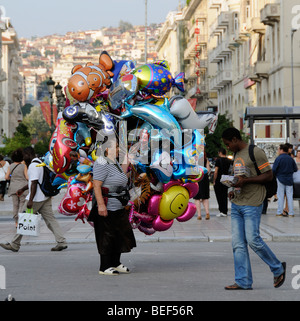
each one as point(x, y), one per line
point(163, 137)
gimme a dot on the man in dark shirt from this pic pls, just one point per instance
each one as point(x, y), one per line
point(221, 168)
point(283, 168)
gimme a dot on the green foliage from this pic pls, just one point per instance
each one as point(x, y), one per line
point(21, 139)
point(214, 141)
point(26, 109)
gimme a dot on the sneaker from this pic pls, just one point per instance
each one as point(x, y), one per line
point(221, 215)
point(109, 271)
point(59, 247)
point(122, 269)
point(8, 247)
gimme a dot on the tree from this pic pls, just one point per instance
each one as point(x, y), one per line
point(214, 141)
point(125, 26)
point(36, 123)
point(21, 139)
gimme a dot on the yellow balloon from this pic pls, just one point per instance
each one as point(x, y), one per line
point(173, 202)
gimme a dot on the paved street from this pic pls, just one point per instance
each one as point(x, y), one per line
point(161, 271)
point(190, 262)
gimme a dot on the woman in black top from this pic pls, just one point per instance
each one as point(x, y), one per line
point(221, 168)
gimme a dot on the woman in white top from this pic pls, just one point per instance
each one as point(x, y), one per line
point(3, 169)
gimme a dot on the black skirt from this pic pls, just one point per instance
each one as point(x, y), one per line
point(203, 189)
point(113, 233)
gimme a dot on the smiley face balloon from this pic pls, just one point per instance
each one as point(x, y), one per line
point(173, 203)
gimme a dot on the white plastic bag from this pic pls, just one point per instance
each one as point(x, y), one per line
point(29, 223)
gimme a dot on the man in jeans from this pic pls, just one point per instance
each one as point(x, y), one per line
point(284, 168)
point(39, 203)
point(246, 211)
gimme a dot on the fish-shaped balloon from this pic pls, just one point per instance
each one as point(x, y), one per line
point(156, 79)
point(87, 82)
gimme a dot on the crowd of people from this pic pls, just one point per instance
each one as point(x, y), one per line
point(113, 231)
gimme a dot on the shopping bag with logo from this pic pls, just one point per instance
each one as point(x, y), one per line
point(29, 223)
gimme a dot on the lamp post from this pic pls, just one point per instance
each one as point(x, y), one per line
point(50, 86)
point(292, 65)
point(59, 97)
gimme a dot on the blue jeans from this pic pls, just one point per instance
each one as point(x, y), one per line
point(245, 221)
point(288, 191)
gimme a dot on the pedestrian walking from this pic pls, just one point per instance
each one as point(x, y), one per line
point(203, 193)
point(38, 202)
point(3, 170)
point(113, 231)
point(17, 177)
point(246, 211)
point(283, 168)
point(221, 168)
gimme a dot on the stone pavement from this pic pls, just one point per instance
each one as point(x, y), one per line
point(216, 229)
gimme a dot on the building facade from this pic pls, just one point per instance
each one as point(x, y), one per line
point(11, 82)
point(241, 52)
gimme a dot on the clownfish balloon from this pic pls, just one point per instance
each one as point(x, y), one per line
point(87, 82)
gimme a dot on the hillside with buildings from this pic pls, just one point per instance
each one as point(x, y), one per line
point(56, 55)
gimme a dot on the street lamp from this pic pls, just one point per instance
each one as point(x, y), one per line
point(50, 86)
point(292, 64)
point(61, 99)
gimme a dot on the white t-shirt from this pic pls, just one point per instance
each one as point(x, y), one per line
point(36, 173)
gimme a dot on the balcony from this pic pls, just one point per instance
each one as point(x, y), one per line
point(221, 23)
point(220, 51)
point(252, 75)
point(220, 80)
point(270, 14)
point(256, 26)
point(194, 46)
point(261, 69)
point(214, 4)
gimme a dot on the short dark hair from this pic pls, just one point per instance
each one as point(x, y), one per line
point(284, 147)
point(230, 133)
point(29, 151)
point(222, 151)
point(17, 155)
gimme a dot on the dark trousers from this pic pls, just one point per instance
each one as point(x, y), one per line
point(221, 192)
point(3, 187)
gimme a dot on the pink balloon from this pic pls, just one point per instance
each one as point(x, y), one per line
point(161, 225)
point(193, 188)
point(188, 214)
point(153, 205)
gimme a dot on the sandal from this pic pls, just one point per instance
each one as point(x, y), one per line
point(235, 287)
point(207, 217)
point(122, 269)
point(279, 280)
point(109, 271)
point(199, 218)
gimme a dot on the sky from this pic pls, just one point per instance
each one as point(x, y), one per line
point(47, 17)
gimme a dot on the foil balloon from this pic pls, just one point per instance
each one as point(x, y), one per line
point(86, 82)
point(156, 78)
point(74, 199)
point(172, 204)
point(83, 112)
point(161, 166)
point(157, 116)
point(61, 143)
point(182, 110)
point(122, 68)
point(122, 90)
